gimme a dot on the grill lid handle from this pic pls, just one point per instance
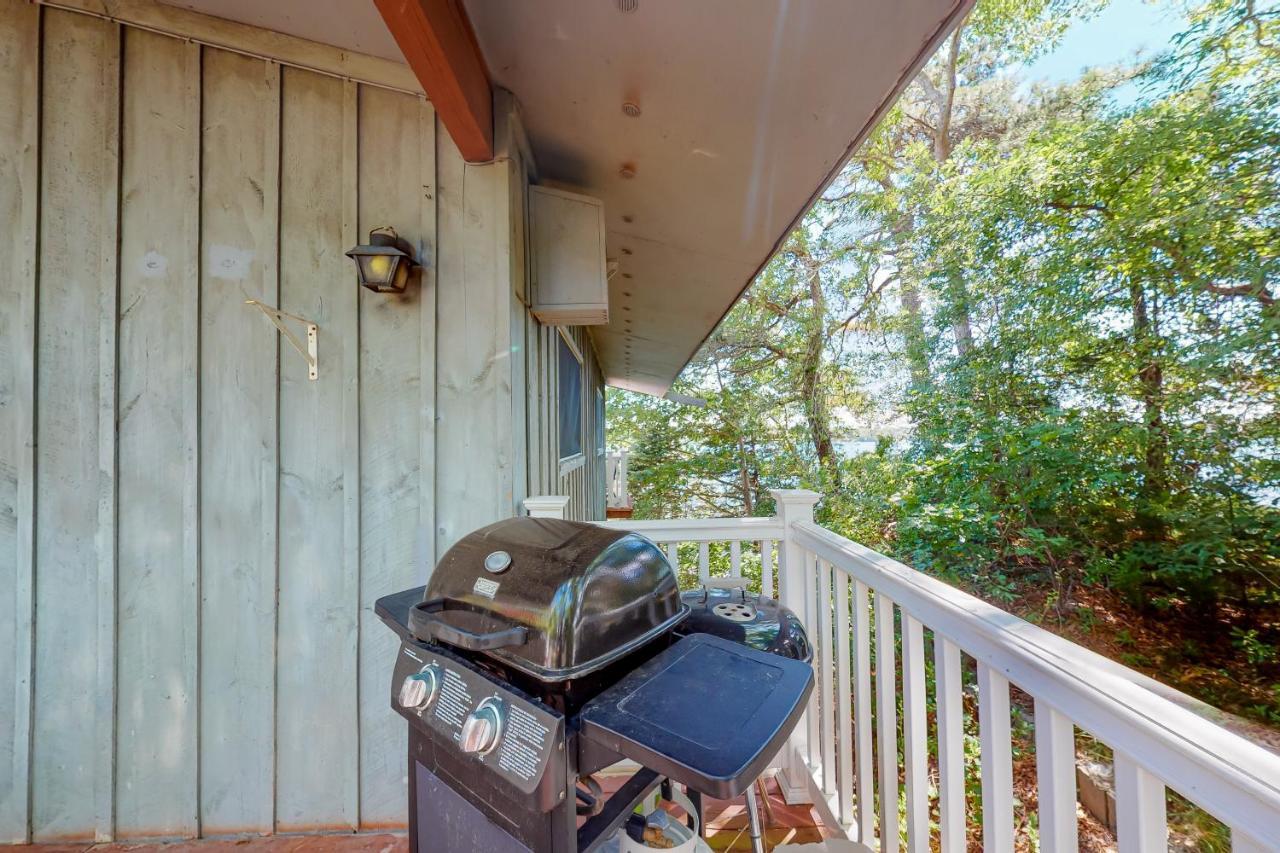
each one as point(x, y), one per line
point(427, 623)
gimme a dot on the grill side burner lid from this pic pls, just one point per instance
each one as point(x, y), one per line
point(726, 608)
point(555, 599)
point(708, 712)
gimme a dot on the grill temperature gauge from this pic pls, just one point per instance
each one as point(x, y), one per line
point(483, 727)
point(417, 691)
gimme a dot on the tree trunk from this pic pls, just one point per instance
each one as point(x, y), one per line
point(942, 148)
point(961, 327)
point(744, 471)
point(811, 390)
point(1155, 479)
point(913, 333)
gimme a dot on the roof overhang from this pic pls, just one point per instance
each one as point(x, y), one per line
point(746, 111)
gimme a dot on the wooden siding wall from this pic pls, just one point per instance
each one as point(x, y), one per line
point(585, 485)
point(535, 373)
point(193, 533)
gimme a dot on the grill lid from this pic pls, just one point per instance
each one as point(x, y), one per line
point(555, 599)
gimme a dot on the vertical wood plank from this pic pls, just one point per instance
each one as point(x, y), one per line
point(316, 710)
point(427, 288)
point(844, 696)
point(766, 568)
point(156, 725)
point(704, 570)
point(826, 708)
point(951, 809)
point(108, 354)
point(190, 294)
point(997, 760)
point(520, 449)
point(1141, 823)
point(673, 556)
point(864, 778)
point(394, 416)
point(74, 731)
point(887, 722)
point(350, 332)
point(1056, 779)
point(239, 352)
point(19, 178)
point(735, 559)
point(533, 390)
point(474, 473)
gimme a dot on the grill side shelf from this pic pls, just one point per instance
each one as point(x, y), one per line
point(706, 712)
point(394, 609)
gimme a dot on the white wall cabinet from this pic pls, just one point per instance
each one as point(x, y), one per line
point(571, 285)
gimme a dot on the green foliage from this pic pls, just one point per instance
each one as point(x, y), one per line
point(1069, 307)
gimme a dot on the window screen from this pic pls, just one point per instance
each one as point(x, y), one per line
point(570, 401)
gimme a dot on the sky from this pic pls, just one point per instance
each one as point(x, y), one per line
point(1116, 34)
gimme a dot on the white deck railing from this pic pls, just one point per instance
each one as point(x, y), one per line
point(615, 479)
point(848, 595)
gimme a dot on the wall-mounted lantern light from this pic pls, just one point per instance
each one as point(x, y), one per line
point(385, 263)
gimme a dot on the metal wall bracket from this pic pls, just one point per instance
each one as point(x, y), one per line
point(311, 352)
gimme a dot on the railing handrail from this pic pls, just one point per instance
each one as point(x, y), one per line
point(749, 529)
point(1235, 780)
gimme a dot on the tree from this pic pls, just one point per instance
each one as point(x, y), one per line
point(1071, 299)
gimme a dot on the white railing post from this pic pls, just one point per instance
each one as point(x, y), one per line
point(794, 505)
point(547, 506)
point(624, 495)
point(616, 478)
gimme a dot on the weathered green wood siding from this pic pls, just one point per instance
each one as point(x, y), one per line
point(192, 533)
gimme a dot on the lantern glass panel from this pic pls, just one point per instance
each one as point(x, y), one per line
point(379, 270)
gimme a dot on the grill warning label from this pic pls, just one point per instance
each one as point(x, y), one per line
point(525, 746)
point(455, 701)
point(485, 587)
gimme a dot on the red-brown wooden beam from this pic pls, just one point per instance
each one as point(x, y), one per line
point(437, 41)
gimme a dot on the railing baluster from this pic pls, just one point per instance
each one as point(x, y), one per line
point(813, 745)
point(997, 761)
point(824, 678)
point(766, 568)
point(950, 744)
point(887, 723)
point(1141, 823)
point(1219, 771)
point(915, 735)
point(1056, 779)
point(865, 776)
point(844, 733)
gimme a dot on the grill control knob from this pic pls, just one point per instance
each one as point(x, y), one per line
point(418, 690)
point(483, 727)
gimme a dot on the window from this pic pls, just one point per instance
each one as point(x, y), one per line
point(570, 402)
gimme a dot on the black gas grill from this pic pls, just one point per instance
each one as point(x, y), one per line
point(544, 650)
